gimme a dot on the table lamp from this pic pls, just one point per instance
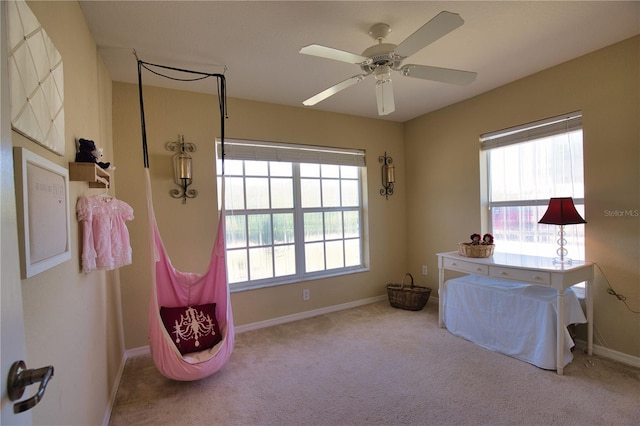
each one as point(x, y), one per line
point(561, 211)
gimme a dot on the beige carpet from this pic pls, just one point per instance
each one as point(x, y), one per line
point(376, 365)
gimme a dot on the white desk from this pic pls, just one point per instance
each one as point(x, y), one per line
point(528, 269)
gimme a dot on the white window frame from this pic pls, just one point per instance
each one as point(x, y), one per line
point(250, 150)
point(558, 125)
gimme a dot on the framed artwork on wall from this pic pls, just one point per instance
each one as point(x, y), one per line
point(36, 79)
point(42, 196)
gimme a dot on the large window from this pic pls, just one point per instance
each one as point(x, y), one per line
point(292, 212)
point(526, 166)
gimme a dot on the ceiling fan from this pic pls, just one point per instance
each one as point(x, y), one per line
point(382, 58)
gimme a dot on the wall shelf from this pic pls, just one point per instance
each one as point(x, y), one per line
point(89, 172)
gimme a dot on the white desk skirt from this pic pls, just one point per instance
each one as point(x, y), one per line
point(512, 318)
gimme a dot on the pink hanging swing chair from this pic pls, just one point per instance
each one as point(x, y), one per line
point(190, 321)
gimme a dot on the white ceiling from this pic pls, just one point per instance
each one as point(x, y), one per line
point(258, 42)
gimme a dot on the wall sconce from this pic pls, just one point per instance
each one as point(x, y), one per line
point(182, 169)
point(561, 211)
point(388, 175)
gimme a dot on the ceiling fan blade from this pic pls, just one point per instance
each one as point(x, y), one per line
point(443, 75)
point(334, 89)
point(441, 25)
point(384, 96)
point(331, 53)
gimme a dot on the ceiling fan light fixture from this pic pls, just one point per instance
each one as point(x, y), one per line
point(384, 96)
point(382, 74)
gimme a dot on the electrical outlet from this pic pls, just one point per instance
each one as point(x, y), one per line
point(306, 294)
point(424, 270)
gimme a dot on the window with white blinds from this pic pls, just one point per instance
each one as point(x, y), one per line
point(527, 165)
point(293, 212)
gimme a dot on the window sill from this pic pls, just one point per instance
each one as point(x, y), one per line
point(327, 274)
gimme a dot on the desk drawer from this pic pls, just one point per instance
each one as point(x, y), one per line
point(535, 277)
point(468, 267)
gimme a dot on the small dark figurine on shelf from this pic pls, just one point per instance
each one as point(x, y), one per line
point(88, 153)
point(487, 239)
point(475, 239)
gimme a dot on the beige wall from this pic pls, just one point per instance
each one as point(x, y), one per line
point(188, 229)
point(72, 320)
point(444, 189)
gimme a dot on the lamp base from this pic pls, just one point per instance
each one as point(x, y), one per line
point(562, 261)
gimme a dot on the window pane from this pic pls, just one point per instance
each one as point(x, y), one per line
point(232, 167)
point(352, 252)
point(237, 266)
point(350, 193)
point(260, 230)
point(332, 225)
point(310, 192)
point(351, 224)
point(335, 254)
point(285, 260)
point(349, 172)
point(313, 227)
point(257, 193)
point(234, 194)
point(330, 171)
point(314, 257)
point(330, 193)
point(309, 170)
point(261, 263)
point(279, 168)
point(283, 231)
point(256, 168)
point(236, 231)
point(281, 193)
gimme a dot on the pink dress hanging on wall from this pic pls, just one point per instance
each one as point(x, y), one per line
point(105, 237)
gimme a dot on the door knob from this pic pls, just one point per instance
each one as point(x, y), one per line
point(20, 378)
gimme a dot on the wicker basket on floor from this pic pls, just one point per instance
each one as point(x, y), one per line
point(477, 250)
point(410, 298)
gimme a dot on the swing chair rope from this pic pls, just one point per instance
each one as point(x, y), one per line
point(222, 99)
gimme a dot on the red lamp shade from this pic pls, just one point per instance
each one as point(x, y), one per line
point(561, 211)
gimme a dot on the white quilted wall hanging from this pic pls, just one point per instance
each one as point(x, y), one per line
point(36, 78)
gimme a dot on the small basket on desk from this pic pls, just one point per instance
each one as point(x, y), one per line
point(410, 298)
point(475, 250)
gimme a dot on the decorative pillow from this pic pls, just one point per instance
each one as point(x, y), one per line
point(192, 328)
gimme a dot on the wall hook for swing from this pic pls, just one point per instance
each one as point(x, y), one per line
point(182, 169)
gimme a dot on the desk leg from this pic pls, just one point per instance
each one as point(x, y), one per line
point(560, 334)
point(589, 298)
point(441, 297)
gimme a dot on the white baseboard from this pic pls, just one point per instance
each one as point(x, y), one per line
point(307, 314)
point(631, 360)
point(114, 392)
point(142, 350)
point(130, 353)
